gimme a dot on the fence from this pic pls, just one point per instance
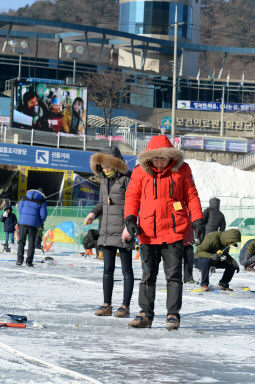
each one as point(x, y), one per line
point(134, 141)
point(69, 220)
point(61, 216)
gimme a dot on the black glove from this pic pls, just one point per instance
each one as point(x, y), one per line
point(199, 228)
point(216, 257)
point(132, 227)
point(233, 262)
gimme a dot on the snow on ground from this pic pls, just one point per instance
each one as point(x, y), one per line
point(65, 343)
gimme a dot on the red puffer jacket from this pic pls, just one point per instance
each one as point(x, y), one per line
point(162, 197)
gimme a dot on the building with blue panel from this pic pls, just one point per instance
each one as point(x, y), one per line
point(156, 18)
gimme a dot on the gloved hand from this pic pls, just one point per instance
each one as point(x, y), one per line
point(216, 257)
point(5, 214)
point(233, 262)
point(199, 228)
point(132, 226)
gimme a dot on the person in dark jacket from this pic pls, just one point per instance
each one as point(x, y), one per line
point(33, 213)
point(214, 219)
point(10, 220)
point(247, 256)
point(90, 240)
point(188, 256)
point(163, 194)
point(214, 252)
point(115, 177)
point(38, 239)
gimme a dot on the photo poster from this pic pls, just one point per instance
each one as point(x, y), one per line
point(49, 107)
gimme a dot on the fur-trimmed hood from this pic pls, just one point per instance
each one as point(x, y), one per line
point(160, 146)
point(111, 157)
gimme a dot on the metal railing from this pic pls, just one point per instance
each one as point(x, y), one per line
point(131, 142)
point(245, 162)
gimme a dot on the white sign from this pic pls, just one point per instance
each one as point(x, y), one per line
point(41, 156)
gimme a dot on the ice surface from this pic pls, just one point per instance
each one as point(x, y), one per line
point(65, 343)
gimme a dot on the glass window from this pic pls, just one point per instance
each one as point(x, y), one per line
point(155, 17)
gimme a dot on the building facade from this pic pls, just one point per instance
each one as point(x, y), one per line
point(156, 18)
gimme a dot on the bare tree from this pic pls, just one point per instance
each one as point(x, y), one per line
point(105, 90)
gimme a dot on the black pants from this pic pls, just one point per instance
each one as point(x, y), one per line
point(24, 231)
point(172, 255)
point(188, 259)
point(204, 265)
point(127, 270)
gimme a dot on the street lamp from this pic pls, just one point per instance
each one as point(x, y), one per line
point(20, 48)
point(174, 78)
point(75, 54)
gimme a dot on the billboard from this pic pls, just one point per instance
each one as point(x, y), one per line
point(49, 107)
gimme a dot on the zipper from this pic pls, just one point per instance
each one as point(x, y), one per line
point(173, 219)
point(154, 187)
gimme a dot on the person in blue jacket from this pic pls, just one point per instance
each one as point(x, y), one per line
point(33, 213)
point(10, 220)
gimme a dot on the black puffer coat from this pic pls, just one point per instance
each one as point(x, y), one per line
point(10, 221)
point(214, 220)
point(112, 196)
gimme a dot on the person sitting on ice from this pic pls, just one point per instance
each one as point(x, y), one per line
point(247, 256)
point(90, 241)
point(214, 252)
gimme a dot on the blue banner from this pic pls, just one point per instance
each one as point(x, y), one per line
point(214, 106)
point(84, 191)
point(46, 157)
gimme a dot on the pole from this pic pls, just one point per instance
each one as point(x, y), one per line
point(222, 112)
point(174, 79)
point(74, 70)
point(20, 59)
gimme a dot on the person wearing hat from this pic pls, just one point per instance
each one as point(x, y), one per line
point(214, 252)
point(10, 220)
point(33, 213)
point(162, 193)
point(115, 177)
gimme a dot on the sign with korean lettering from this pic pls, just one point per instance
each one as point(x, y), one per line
point(214, 106)
point(26, 155)
point(214, 125)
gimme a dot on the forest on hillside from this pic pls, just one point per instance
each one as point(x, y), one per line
point(228, 23)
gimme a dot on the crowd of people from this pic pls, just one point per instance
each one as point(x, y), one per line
point(156, 206)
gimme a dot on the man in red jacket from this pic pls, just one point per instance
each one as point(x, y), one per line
point(163, 190)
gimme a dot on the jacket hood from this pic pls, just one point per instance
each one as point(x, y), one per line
point(214, 203)
point(160, 146)
point(8, 207)
point(111, 157)
point(230, 236)
point(35, 194)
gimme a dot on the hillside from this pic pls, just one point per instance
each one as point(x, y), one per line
point(222, 23)
point(228, 23)
point(90, 12)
